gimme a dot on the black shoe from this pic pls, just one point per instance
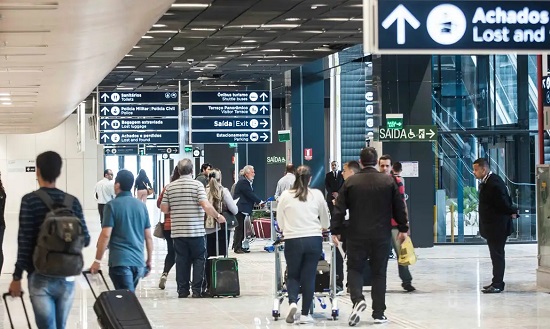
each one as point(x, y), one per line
point(246, 251)
point(196, 295)
point(184, 295)
point(239, 251)
point(408, 287)
point(380, 318)
point(491, 290)
point(487, 286)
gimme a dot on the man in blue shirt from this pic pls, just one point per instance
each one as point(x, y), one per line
point(125, 226)
point(51, 297)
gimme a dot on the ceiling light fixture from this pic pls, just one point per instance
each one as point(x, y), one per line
point(249, 41)
point(146, 37)
point(273, 50)
point(163, 31)
point(126, 67)
point(292, 19)
point(335, 19)
point(279, 26)
point(128, 55)
point(289, 42)
point(313, 31)
point(138, 79)
point(190, 5)
point(136, 47)
point(317, 6)
point(4, 94)
point(159, 25)
point(6, 103)
point(242, 26)
point(124, 88)
point(5, 99)
point(203, 29)
point(178, 48)
point(153, 66)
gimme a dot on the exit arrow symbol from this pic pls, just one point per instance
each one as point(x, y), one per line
point(264, 123)
point(105, 138)
point(263, 96)
point(104, 111)
point(431, 134)
point(105, 97)
point(401, 15)
point(264, 109)
point(265, 137)
point(105, 124)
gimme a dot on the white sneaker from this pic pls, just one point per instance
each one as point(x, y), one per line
point(291, 312)
point(306, 319)
point(162, 282)
point(354, 317)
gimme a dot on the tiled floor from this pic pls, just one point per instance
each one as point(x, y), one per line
point(447, 278)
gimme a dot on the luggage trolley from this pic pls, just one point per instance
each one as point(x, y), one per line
point(280, 291)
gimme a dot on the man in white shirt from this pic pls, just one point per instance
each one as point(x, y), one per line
point(104, 191)
point(286, 182)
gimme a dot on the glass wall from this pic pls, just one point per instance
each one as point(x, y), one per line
point(481, 109)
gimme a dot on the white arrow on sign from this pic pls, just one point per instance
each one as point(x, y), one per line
point(431, 134)
point(104, 97)
point(264, 123)
point(265, 136)
point(105, 138)
point(263, 96)
point(264, 109)
point(105, 124)
point(400, 14)
point(104, 111)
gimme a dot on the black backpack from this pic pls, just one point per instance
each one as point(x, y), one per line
point(61, 238)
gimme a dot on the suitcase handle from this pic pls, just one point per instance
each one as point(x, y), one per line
point(88, 272)
point(5, 297)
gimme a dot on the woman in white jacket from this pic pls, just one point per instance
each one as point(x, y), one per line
point(302, 215)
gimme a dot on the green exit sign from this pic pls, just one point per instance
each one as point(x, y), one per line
point(232, 145)
point(188, 148)
point(284, 135)
point(408, 134)
point(395, 123)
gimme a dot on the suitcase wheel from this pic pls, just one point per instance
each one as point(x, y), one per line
point(275, 315)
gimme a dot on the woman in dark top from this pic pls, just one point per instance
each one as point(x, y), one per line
point(2, 222)
point(141, 186)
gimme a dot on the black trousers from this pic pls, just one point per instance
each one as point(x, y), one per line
point(2, 230)
point(496, 249)
point(100, 207)
point(375, 251)
point(238, 237)
point(170, 259)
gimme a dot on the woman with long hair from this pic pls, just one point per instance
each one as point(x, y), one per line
point(2, 222)
point(302, 215)
point(221, 199)
point(170, 259)
point(141, 186)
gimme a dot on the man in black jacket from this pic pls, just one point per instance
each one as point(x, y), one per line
point(372, 199)
point(247, 199)
point(333, 183)
point(495, 219)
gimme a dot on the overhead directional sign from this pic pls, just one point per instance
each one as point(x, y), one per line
point(408, 134)
point(153, 97)
point(121, 150)
point(220, 117)
point(232, 137)
point(138, 111)
point(153, 149)
point(546, 90)
point(136, 137)
point(460, 27)
point(132, 124)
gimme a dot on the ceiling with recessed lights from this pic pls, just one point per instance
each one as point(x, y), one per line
point(230, 44)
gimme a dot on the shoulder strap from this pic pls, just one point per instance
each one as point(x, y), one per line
point(45, 197)
point(68, 201)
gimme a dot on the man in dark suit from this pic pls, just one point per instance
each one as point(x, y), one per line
point(333, 183)
point(372, 199)
point(247, 199)
point(495, 219)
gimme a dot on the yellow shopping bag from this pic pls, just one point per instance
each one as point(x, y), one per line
point(406, 253)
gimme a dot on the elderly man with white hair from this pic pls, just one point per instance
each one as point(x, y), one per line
point(247, 198)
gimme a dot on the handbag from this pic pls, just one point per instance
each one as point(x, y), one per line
point(159, 229)
point(407, 256)
point(149, 189)
point(230, 219)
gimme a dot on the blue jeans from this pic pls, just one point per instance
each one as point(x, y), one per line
point(190, 251)
point(126, 277)
point(52, 299)
point(302, 256)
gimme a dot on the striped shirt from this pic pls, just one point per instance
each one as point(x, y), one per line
point(186, 214)
point(31, 216)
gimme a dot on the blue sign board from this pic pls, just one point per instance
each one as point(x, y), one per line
point(136, 124)
point(132, 97)
point(138, 111)
point(233, 97)
point(139, 137)
point(220, 117)
point(239, 137)
point(224, 110)
point(231, 124)
point(546, 90)
point(430, 26)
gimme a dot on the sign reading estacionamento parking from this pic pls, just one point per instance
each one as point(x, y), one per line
point(416, 26)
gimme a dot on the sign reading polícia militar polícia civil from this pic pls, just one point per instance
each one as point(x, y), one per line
point(462, 27)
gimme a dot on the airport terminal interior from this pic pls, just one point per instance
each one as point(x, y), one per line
point(141, 85)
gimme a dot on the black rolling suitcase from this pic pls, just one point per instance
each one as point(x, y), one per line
point(5, 297)
point(223, 273)
point(118, 309)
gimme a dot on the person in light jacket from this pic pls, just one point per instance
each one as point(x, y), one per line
point(302, 215)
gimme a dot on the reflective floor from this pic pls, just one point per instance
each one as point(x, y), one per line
point(448, 279)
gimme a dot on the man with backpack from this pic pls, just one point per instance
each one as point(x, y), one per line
point(52, 234)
